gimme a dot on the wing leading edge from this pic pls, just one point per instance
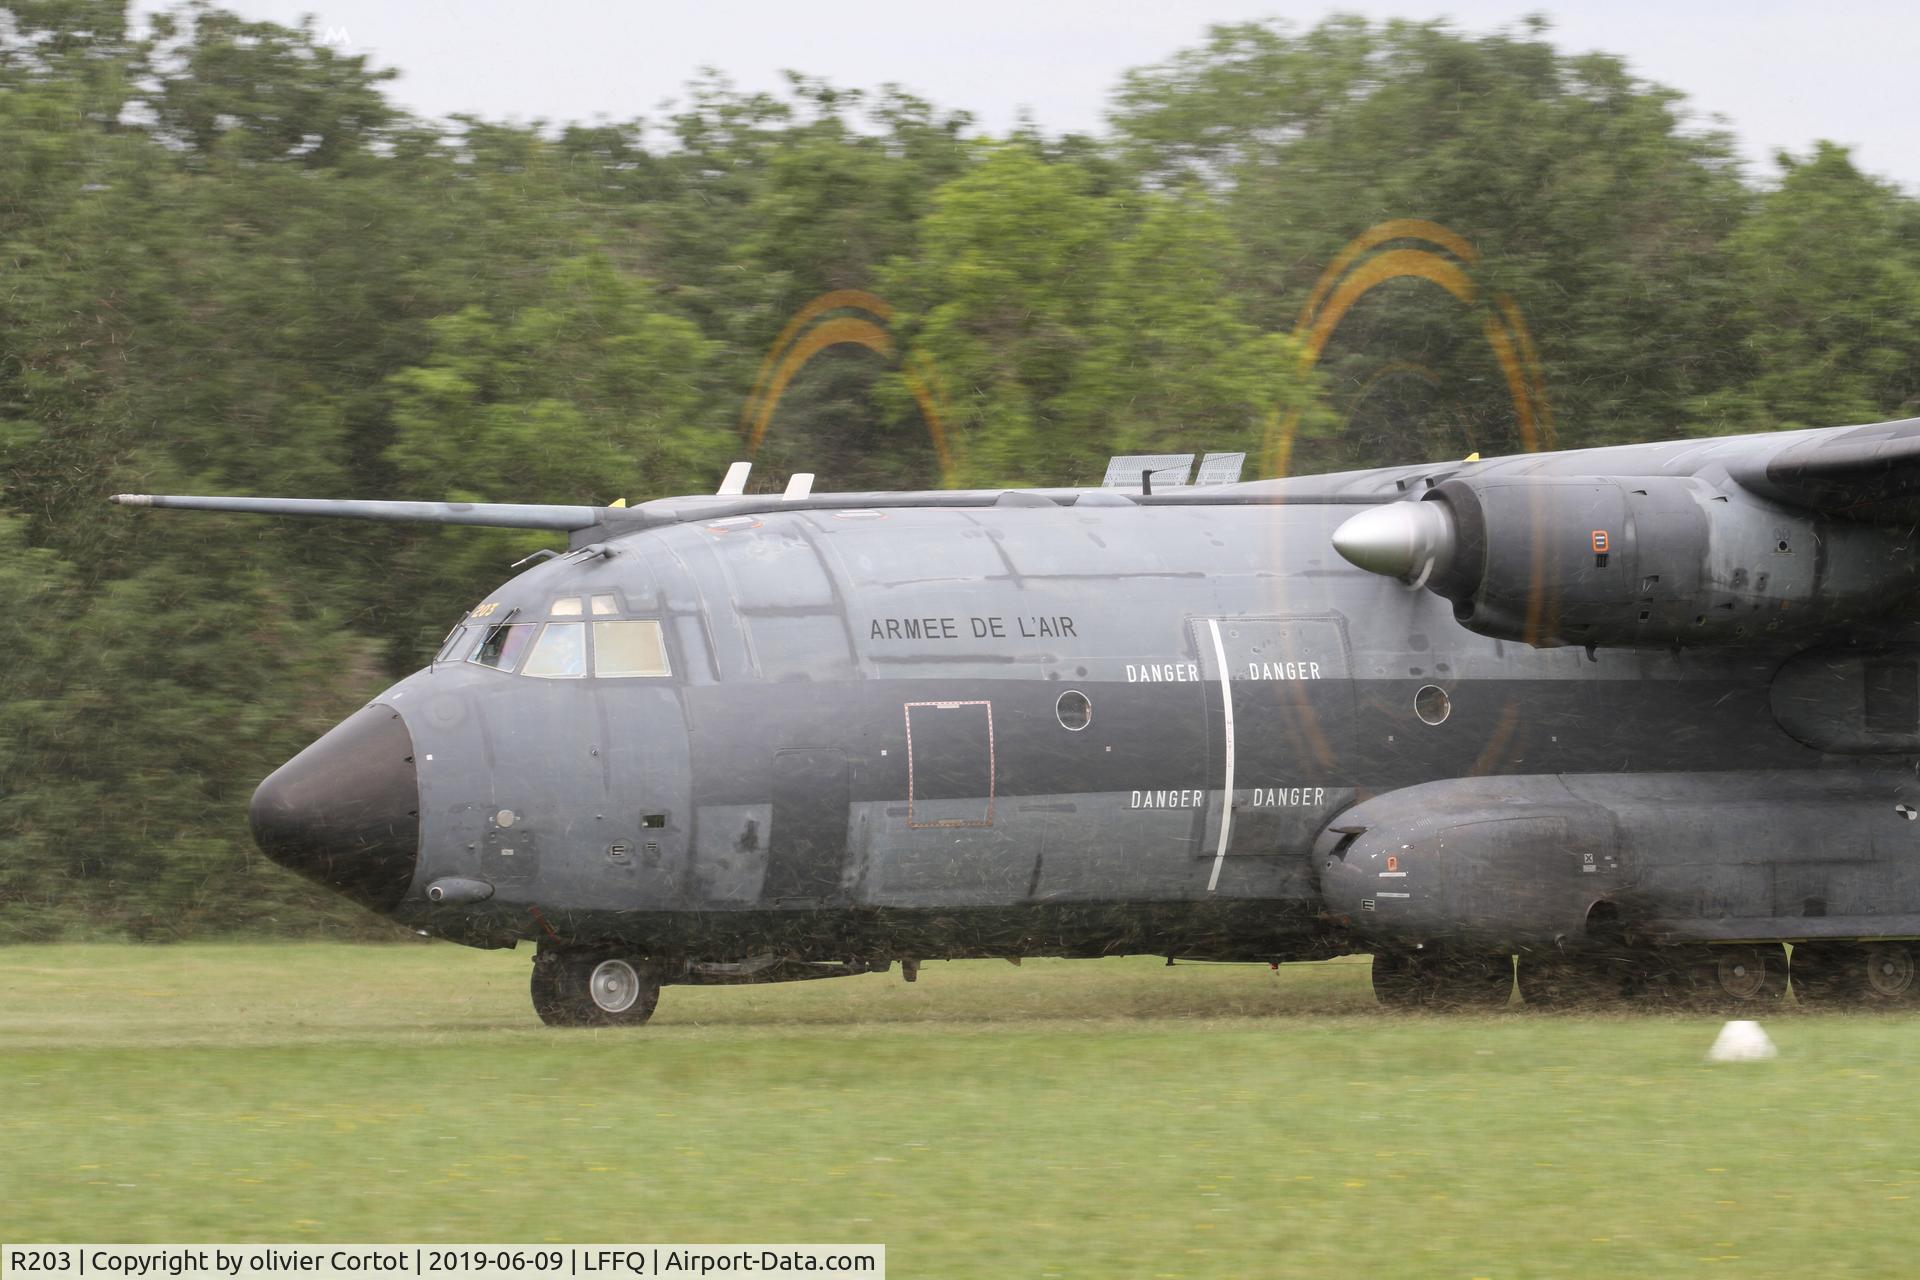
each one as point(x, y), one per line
point(1869, 473)
point(496, 515)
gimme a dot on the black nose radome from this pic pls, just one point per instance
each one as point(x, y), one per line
point(346, 811)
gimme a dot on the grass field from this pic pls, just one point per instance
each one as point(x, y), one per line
point(1062, 1118)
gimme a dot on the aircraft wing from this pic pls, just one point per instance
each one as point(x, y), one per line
point(497, 515)
point(1869, 473)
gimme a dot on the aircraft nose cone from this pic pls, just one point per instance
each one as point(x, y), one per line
point(346, 811)
point(1399, 540)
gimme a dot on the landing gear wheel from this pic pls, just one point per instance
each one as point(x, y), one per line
point(593, 989)
point(1890, 972)
point(1441, 981)
point(1734, 979)
point(1875, 974)
point(1572, 979)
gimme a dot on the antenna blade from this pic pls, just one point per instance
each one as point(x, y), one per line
point(1221, 468)
point(497, 515)
point(799, 485)
point(736, 482)
point(1169, 470)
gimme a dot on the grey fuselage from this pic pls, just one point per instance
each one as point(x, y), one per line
point(867, 747)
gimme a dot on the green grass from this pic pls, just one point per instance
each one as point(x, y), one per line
point(1064, 1118)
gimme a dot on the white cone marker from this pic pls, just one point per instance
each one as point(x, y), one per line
point(1742, 1042)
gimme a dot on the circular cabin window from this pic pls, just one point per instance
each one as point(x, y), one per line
point(1431, 704)
point(1073, 710)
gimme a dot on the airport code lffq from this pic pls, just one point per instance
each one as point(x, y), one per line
point(439, 1262)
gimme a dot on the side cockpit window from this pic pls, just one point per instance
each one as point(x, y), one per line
point(635, 648)
point(560, 653)
point(502, 646)
point(453, 648)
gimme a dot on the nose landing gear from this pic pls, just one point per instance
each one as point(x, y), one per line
point(593, 989)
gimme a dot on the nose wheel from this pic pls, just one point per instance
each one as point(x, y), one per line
point(593, 988)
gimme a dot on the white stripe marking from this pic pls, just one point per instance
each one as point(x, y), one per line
point(1226, 796)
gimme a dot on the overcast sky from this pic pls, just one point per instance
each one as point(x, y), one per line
point(1782, 72)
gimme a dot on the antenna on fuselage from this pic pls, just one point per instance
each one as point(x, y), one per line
point(1128, 469)
point(1220, 468)
point(735, 483)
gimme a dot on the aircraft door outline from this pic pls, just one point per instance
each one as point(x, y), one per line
point(950, 752)
point(808, 827)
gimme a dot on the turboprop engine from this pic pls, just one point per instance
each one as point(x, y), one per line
point(1629, 561)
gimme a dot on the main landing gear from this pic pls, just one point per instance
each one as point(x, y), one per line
point(1736, 979)
point(1442, 980)
point(1745, 978)
point(1869, 974)
point(593, 988)
point(1554, 979)
point(1742, 978)
point(1721, 979)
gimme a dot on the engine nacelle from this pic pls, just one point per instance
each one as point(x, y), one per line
point(1629, 561)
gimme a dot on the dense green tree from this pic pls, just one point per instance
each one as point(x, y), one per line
point(1012, 258)
point(843, 193)
point(152, 713)
point(262, 92)
point(592, 392)
point(1586, 194)
point(1171, 364)
point(1828, 275)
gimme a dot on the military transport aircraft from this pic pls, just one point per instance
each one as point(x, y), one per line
point(1637, 716)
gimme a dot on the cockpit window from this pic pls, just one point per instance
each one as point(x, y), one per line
point(565, 607)
point(629, 649)
point(561, 651)
point(604, 606)
point(456, 640)
point(502, 646)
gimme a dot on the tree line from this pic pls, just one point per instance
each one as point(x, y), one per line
point(230, 263)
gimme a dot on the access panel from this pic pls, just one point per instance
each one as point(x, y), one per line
point(807, 848)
